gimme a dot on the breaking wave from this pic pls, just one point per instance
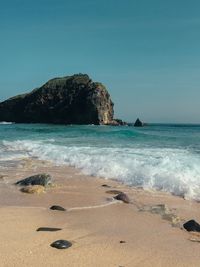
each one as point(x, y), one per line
point(174, 170)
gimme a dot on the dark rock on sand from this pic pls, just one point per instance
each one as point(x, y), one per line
point(61, 244)
point(72, 99)
point(192, 226)
point(105, 185)
point(114, 192)
point(48, 229)
point(38, 179)
point(123, 197)
point(55, 207)
point(122, 242)
point(138, 123)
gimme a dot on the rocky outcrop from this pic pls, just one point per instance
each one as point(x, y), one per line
point(138, 123)
point(117, 122)
point(69, 100)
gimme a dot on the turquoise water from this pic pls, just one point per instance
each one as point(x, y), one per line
point(162, 157)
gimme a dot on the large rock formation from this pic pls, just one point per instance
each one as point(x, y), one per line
point(69, 100)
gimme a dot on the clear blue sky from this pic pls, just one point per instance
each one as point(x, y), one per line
point(147, 52)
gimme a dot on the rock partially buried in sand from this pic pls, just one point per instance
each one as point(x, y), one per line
point(123, 197)
point(192, 226)
point(61, 244)
point(105, 185)
point(32, 189)
point(38, 179)
point(48, 229)
point(114, 192)
point(57, 208)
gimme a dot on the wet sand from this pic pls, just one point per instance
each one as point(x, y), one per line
point(93, 222)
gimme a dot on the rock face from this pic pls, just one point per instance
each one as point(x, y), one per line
point(69, 100)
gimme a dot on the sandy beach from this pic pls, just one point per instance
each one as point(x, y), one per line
point(151, 234)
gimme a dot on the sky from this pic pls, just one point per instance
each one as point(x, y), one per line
point(147, 53)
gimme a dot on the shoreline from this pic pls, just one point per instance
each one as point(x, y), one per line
point(150, 226)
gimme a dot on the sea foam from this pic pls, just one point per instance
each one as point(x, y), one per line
point(168, 169)
point(6, 122)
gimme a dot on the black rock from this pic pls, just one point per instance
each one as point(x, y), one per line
point(105, 185)
point(72, 99)
point(138, 123)
point(48, 229)
point(57, 208)
point(122, 242)
point(123, 197)
point(61, 244)
point(192, 226)
point(38, 179)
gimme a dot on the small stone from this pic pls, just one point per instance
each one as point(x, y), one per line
point(105, 185)
point(38, 179)
point(114, 192)
point(48, 229)
point(192, 226)
point(33, 189)
point(55, 207)
point(123, 197)
point(122, 242)
point(61, 244)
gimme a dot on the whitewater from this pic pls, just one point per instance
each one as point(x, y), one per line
point(158, 156)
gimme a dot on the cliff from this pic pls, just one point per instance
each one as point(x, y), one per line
point(69, 100)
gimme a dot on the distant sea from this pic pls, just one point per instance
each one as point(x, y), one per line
point(159, 156)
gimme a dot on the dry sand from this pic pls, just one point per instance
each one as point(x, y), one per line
point(96, 227)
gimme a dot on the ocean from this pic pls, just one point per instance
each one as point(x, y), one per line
point(159, 156)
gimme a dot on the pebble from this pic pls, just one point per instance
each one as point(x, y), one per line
point(61, 244)
point(55, 207)
point(105, 185)
point(123, 197)
point(48, 229)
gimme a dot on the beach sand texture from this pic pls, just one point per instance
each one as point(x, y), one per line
point(151, 234)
